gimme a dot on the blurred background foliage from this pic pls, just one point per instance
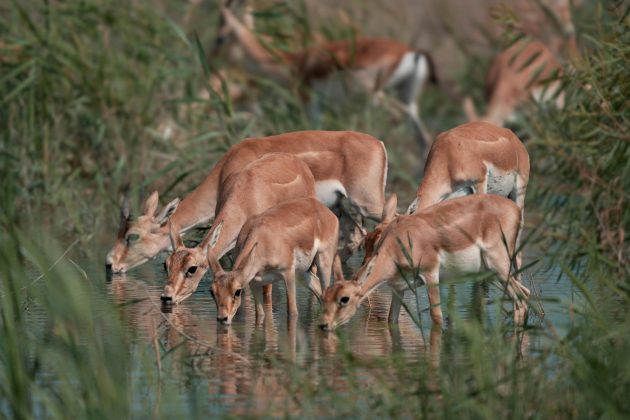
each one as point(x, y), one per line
point(96, 95)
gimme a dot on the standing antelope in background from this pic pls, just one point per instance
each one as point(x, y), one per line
point(473, 158)
point(459, 235)
point(289, 237)
point(264, 183)
point(361, 65)
point(344, 163)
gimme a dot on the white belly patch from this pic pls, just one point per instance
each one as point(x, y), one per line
point(304, 258)
point(328, 191)
point(468, 260)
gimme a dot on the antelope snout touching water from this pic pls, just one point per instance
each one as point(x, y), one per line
point(289, 237)
point(459, 235)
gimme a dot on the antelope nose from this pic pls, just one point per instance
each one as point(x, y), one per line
point(166, 299)
point(324, 327)
point(223, 320)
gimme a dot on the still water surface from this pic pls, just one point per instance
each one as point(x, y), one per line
point(243, 368)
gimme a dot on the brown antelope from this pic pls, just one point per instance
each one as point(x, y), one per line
point(289, 237)
point(459, 235)
point(473, 158)
point(344, 163)
point(361, 65)
point(261, 185)
point(529, 68)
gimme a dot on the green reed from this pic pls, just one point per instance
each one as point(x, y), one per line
point(95, 95)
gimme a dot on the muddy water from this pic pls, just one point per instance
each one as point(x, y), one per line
point(243, 368)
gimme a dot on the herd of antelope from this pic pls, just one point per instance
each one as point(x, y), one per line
point(280, 204)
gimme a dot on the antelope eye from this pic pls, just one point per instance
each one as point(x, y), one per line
point(344, 300)
point(237, 293)
point(133, 237)
point(192, 270)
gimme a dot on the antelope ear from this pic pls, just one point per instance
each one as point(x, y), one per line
point(150, 206)
point(366, 270)
point(248, 264)
point(124, 206)
point(215, 266)
point(125, 215)
point(389, 210)
point(337, 272)
point(214, 237)
point(248, 18)
point(176, 238)
point(167, 212)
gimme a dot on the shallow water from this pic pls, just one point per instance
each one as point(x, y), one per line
point(243, 368)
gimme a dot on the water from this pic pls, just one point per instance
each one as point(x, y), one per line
point(245, 368)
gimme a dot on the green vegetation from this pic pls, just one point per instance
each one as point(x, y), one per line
point(95, 95)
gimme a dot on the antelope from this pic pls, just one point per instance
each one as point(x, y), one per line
point(527, 69)
point(289, 237)
point(458, 235)
point(264, 183)
point(360, 65)
point(473, 158)
point(345, 164)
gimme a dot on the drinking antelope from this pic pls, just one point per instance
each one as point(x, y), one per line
point(289, 237)
point(459, 235)
point(261, 185)
point(365, 65)
point(344, 163)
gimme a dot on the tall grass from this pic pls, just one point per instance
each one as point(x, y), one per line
point(95, 95)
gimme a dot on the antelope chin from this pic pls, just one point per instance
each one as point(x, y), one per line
point(124, 269)
point(179, 299)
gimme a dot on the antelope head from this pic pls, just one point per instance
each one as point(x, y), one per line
point(342, 299)
point(141, 239)
point(185, 267)
point(227, 287)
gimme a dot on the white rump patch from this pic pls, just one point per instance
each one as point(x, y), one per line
point(409, 68)
point(499, 182)
point(328, 191)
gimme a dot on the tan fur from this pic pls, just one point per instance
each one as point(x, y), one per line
point(461, 158)
point(477, 222)
point(515, 76)
point(272, 243)
point(357, 160)
point(463, 155)
point(261, 185)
